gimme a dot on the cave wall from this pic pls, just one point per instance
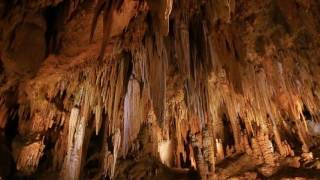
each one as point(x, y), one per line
point(186, 83)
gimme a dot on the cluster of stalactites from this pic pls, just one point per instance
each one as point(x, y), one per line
point(237, 102)
point(97, 99)
point(241, 99)
point(85, 101)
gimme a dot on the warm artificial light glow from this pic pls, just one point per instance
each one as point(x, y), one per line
point(165, 152)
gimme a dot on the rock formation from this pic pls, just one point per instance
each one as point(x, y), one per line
point(168, 89)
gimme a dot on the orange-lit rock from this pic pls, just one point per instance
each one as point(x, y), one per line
point(144, 89)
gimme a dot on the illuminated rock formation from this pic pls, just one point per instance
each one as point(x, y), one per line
point(170, 89)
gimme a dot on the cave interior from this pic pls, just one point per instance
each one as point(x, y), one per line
point(159, 89)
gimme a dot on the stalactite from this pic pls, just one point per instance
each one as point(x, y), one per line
point(223, 10)
point(98, 117)
point(116, 17)
point(109, 7)
point(160, 13)
point(182, 49)
point(133, 113)
point(157, 65)
point(77, 126)
point(76, 155)
point(116, 147)
point(74, 116)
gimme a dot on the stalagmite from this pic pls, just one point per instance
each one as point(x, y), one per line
point(220, 151)
point(165, 151)
point(208, 149)
point(202, 166)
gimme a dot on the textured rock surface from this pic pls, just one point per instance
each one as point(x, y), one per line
point(172, 89)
